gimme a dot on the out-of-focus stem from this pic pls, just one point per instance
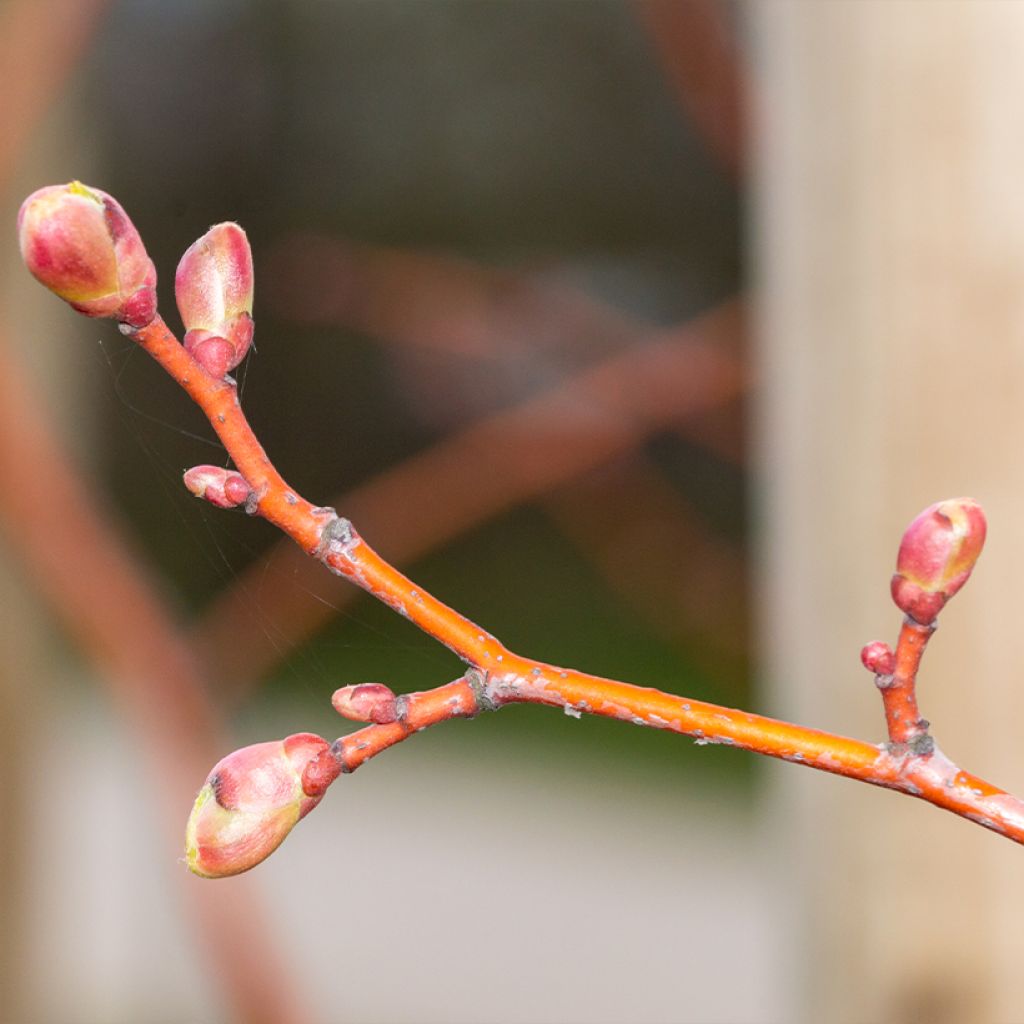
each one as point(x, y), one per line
point(94, 585)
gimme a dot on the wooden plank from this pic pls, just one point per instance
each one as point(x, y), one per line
point(889, 226)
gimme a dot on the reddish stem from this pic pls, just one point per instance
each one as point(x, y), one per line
point(899, 695)
point(505, 677)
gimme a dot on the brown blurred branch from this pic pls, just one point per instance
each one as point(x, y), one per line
point(40, 44)
point(92, 581)
point(515, 455)
point(454, 306)
point(687, 582)
point(698, 53)
point(440, 302)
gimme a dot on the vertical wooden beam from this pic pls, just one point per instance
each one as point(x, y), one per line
point(889, 226)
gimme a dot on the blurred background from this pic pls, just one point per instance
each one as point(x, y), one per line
point(490, 239)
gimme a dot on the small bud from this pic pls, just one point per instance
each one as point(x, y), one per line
point(366, 702)
point(250, 802)
point(213, 286)
point(937, 553)
point(221, 487)
point(878, 657)
point(79, 242)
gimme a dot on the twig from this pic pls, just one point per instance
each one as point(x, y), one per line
point(81, 244)
point(504, 459)
point(510, 678)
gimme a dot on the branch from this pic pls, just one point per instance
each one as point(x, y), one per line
point(254, 796)
point(503, 459)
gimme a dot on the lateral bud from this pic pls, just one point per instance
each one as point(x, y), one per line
point(938, 551)
point(878, 657)
point(224, 488)
point(213, 287)
point(366, 702)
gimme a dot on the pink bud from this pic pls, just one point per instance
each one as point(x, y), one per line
point(221, 487)
point(878, 657)
point(366, 702)
point(937, 553)
point(214, 286)
point(79, 242)
point(250, 802)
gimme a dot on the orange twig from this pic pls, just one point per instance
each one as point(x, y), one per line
point(899, 692)
point(499, 676)
point(516, 454)
point(933, 778)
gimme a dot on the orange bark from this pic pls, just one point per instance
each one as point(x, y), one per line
point(508, 678)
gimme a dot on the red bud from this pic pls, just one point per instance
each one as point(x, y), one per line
point(250, 802)
point(214, 287)
point(221, 487)
point(878, 657)
point(938, 551)
point(366, 702)
point(80, 243)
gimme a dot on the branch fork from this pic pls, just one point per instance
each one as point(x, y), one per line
point(238, 820)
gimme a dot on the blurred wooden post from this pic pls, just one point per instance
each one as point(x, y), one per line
point(889, 226)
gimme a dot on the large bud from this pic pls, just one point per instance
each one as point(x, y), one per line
point(79, 242)
point(938, 551)
point(250, 802)
point(213, 287)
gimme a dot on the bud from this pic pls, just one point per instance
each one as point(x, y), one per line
point(250, 802)
point(937, 554)
point(366, 702)
point(221, 487)
point(213, 286)
point(878, 657)
point(79, 242)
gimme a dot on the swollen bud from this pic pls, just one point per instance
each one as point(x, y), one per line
point(79, 242)
point(937, 553)
point(213, 287)
point(250, 802)
point(224, 488)
point(366, 702)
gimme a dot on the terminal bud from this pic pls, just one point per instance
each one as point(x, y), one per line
point(249, 803)
point(79, 243)
point(938, 551)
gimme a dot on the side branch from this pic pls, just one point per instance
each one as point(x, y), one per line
point(933, 778)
